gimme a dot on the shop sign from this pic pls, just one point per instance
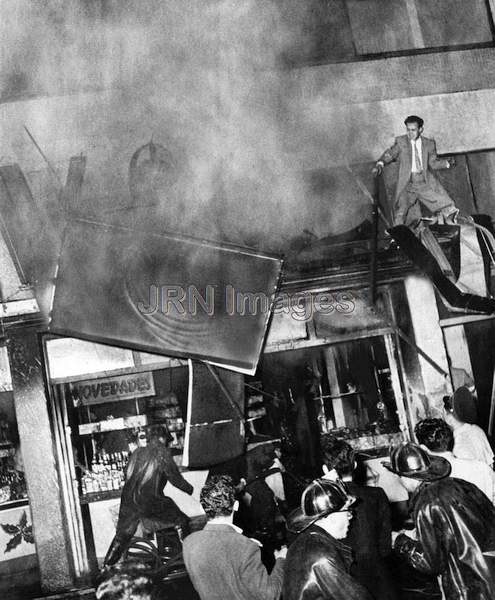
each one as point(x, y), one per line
point(164, 294)
point(109, 389)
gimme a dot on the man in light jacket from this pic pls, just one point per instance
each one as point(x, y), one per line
point(221, 562)
point(416, 183)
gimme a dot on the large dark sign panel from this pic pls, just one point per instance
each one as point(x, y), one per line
point(164, 294)
point(214, 423)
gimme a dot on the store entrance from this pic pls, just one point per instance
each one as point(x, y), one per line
point(351, 390)
point(103, 400)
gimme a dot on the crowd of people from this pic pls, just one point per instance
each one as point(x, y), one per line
point(339, 542)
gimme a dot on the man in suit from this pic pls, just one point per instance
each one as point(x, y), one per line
point(417, 156)
point(470, 441)
point(437, 436)
point(370, 533)
point(223, 563)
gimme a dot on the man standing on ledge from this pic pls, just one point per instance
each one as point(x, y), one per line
point(417, 156)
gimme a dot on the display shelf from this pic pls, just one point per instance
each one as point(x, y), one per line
point(378, 444)
point(6, 450)
point(378, 452)
point(113, 424)
point(14, 503)
point(99, 496)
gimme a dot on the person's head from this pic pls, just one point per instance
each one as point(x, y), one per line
point(338, 455)
point(326, 504)
point(218, 497)
point(277, 450)
point(146, 462)
point(435, 434)
point(414, 126)
point(158, 434)
point(125, 586)
point(460, 407)
point(415, 466)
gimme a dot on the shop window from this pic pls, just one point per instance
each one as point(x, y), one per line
point(12, 481)
point(110, 417)
point(362, 400)
point(351, 390)
point(100, 418)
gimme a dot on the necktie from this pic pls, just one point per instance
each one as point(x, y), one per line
point(417, 160)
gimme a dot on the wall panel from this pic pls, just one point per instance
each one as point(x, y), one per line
point(482, 172)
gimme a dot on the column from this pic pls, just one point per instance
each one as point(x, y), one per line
point(428, 336)
point(39, 460)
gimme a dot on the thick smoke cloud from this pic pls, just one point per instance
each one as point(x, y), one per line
point(203, 79)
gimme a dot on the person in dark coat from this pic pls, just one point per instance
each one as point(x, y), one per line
point(455, 525)
point(148, 470)
point(318, 562)
point(370, 533)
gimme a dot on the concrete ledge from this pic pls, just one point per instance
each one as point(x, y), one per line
point(400, 77)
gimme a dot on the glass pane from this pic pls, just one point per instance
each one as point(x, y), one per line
point(319, 29)
point(380, 26)
point(12, 482)
point(383, 26)
point(104, 434)
point(362, 398)
point(448, 23)
point(91, 357)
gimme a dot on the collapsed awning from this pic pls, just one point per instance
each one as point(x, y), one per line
point(450, 288)
point(166, 294)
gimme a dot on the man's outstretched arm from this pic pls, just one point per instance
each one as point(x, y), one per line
point(436, 163)
point(254, 577)
point(387, 157)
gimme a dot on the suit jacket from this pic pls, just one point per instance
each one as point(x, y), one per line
point(402, 151)
point(371, 540)
point(317, 568)
point(223, 563)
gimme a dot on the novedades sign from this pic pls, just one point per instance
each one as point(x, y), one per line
point(97, 391)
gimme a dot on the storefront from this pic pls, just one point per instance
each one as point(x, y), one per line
point(334, 364)
point(102, 400)
point(339, 365)
point(363, 371)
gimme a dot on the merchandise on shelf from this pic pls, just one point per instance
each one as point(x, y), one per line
point(167, 410)
point(12, 481)
point(255, 407)
point(107, 472)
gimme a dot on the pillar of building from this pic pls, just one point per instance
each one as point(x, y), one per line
point(457, 349)
point(429, 338)
point(39, 459)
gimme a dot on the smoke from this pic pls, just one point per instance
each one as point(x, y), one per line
point(200, 77)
